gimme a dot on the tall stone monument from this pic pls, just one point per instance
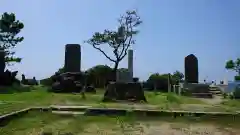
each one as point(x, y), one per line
point(130, 63)
point(72, 58)
point(191, 69)
point(192, 87)
point(71, 80)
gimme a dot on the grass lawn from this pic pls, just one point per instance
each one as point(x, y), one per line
point(40, 97)
point(35, 123)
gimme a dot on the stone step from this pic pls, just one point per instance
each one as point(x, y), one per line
point(68, 112)
point(202, 95)
point(216, 92)
point(69, 108)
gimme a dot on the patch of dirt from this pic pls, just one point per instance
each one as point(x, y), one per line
point(158, 128)
point(52, 127)
point(215, 100)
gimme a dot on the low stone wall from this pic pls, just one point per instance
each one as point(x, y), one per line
point(4, 119)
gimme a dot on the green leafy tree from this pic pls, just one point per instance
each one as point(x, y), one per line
point(118, 40)
point(9, 29)
point(158, 81)
point(177, 76)
point(99, 75)
point(233, 65)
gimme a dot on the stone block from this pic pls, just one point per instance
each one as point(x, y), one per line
point(124, 76)
point(122, 91)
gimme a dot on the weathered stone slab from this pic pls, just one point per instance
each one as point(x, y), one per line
point(68, 112)
point(69, 108)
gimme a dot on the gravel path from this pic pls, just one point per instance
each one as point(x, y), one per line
point(215, 100)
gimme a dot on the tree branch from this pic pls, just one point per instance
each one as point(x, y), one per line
point(130, 39)
point(125, 52)
point(128, 44)
point(94, 46)
point(119, 41)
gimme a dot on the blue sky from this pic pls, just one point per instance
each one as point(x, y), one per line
point(171, 30)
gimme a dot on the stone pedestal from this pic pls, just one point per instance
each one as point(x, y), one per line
point(68, 82)
point(197, 90)
point(122, 91)
point(125, 89)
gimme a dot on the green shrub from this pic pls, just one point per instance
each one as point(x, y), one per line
point(46, 81)
point(236, 93)
point(237, 78)
point(225, 95)
point(186, 92)
point(172, 98)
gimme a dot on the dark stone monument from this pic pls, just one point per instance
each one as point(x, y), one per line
point(191, 69)
point(191, 85)
point(72, 58)
point(72, 78)
point(125, 89)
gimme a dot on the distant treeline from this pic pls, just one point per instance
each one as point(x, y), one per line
point(100, 75)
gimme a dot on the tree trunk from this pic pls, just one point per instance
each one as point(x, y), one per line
point(115, 71)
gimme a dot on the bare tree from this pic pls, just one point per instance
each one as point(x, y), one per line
point(118, 40)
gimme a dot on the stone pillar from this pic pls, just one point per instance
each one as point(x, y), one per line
point(169, 83)
point(179, 90)
point(72, 58)
point(174, 88)
point(130, 63)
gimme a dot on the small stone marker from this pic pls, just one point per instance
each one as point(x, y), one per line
point(169, 83)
